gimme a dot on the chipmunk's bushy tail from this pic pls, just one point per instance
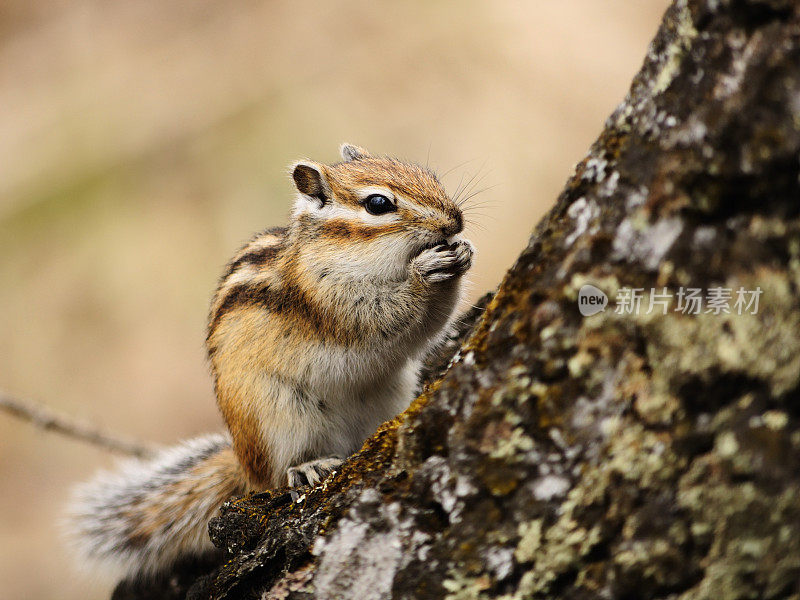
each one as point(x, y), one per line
point(142, 517)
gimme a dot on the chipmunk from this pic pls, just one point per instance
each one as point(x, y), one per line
point(315, 337)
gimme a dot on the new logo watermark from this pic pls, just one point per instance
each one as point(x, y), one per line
point(591, 300)
point(688, 301)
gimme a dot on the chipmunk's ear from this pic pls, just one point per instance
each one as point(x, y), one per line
point(350, 152)
point(310, 181)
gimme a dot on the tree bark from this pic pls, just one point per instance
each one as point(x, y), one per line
point(649, 454)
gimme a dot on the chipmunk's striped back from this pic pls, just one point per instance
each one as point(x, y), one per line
point(251, 268)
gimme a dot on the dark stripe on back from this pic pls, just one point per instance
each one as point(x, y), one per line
point(287, 299)
point(257, 257)
point(261, 255)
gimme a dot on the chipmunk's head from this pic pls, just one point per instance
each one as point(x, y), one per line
point(373, 204)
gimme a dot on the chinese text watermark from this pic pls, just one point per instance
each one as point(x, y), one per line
point(688, 301)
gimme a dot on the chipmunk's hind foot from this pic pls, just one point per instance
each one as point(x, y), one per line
point(313, 471)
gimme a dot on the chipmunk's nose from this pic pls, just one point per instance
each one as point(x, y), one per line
point(453, 226)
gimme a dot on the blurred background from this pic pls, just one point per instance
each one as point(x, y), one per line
point(142, 142)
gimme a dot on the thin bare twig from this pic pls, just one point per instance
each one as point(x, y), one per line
point(45, 418)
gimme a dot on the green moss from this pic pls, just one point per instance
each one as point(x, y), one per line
point(762, 346)
point(753, 535)
point(461, 587)
point(673, 54)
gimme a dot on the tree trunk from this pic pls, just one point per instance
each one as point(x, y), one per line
point(650, 453)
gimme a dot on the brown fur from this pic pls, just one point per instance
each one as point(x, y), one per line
point(337, 229)
point(247, 442)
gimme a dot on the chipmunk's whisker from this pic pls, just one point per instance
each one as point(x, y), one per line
point(470, 184)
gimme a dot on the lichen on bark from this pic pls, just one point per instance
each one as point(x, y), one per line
point(649, 455)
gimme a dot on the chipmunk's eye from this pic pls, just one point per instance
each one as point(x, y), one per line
point(377, 204)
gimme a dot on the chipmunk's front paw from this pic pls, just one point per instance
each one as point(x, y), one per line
point(444, 261)
point(313, 471)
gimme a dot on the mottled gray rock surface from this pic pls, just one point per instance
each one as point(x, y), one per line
point(611, 456)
